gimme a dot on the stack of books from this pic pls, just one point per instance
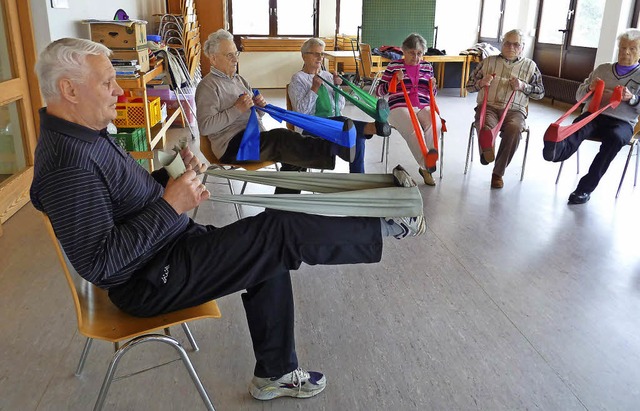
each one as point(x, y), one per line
point(128, 69)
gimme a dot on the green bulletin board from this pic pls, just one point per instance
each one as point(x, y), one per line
point(389, 22)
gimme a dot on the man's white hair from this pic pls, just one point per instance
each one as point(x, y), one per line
point(213, 41)
point(65, 58)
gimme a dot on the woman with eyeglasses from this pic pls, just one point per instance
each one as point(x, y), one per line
point(309, 95)
point(502, 75)
point(415, 74)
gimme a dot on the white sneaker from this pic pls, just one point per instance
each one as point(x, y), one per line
point(411, 226)
point(401, 178)
point(298, 383)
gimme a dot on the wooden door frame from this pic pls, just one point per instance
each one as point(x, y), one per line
point(23, 89)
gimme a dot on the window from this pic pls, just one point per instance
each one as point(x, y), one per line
point(567, 37)
point(581, 19)
point(491, 20)
point(350, 16)
point(274, 17)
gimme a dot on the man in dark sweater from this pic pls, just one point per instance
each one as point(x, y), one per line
point(127, 231)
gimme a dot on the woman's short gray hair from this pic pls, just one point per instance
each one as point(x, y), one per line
point(65, 58)
point(630, 35)
point(414, 41)
point(313, 41)
point(213, 41)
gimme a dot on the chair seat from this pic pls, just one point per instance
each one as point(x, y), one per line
point(205, 149)
point(103, 320)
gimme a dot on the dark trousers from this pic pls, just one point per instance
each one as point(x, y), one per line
point(253, 254)
point(294, 151)
point(614, 133)
point(357, 165)
point(286, 146)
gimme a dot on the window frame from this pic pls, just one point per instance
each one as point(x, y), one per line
point(491, 40)
point(273, 22)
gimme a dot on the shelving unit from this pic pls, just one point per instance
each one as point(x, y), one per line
point(156, 135)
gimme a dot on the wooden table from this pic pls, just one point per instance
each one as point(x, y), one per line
point(334, 58)
point(156, 135)
point(439, 62)
point(344, 57)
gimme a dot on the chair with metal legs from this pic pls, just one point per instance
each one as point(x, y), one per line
point(632, 144)
point(472, 138)
point(215, 163)
point(98, 318)
point(384, 154)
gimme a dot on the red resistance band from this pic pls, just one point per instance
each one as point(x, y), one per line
point(430, 156)
point(557, 133)
point(487, 137)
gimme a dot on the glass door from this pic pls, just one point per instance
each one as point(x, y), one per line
point(17, 123)
point(567, 37)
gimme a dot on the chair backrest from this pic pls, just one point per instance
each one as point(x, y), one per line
point(99, 318)
point(367, 62)
point(289, 106)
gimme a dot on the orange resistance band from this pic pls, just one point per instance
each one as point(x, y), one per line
point(557, 133)
point(414, 120)
point(430, 156)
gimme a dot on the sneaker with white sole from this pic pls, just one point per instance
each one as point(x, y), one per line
point(298, 383)
point(401, 178)
point(411, 226)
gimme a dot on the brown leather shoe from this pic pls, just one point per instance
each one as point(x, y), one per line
point(496, 181)
point(427, 177)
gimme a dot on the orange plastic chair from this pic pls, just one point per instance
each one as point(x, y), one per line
point(98, 318)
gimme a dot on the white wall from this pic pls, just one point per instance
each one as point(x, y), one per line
point(616, 18)
point(51, 24)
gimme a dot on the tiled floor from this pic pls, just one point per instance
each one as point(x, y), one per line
point(513, 300)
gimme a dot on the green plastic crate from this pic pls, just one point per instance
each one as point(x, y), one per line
point(132, 139)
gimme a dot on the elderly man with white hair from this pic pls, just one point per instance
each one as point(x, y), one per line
point(504, 74)
point(614, 125)
point(224, 100)
point(127, 231)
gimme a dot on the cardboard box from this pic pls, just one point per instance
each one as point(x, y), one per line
point(142, 55)
point(120, 35)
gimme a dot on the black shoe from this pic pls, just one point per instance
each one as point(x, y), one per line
point(383, 129)
point(348, 154)
point(579, 197)
point(382, 109)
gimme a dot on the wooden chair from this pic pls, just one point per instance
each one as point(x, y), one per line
point(370, 73)
point(99, 319)
point(215, 163)
point(289, 106)
point(472, 138)
point(633, 143)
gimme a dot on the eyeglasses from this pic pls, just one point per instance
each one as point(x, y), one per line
point(231, 56)
point(510, 44)
point(316, 54)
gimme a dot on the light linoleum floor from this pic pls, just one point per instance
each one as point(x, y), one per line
point(512, 300)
